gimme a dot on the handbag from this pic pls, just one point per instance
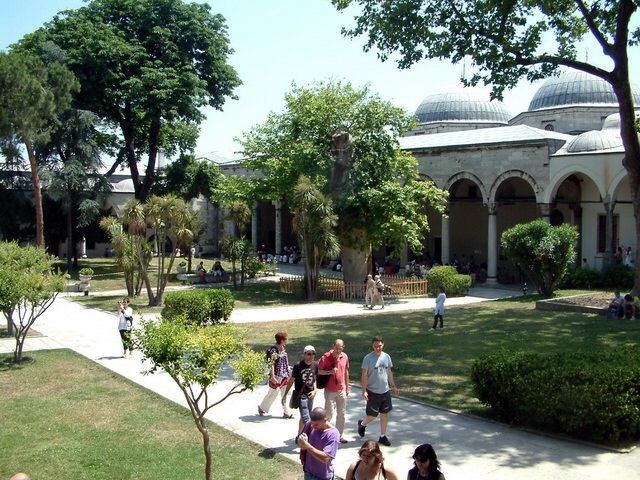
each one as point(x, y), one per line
point(294, 401)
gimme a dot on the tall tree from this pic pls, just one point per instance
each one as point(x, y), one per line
point(505, 41)
point(71, 161)
point(344, 140)
point(33, 95)
point(145, 66)
point(188, 178)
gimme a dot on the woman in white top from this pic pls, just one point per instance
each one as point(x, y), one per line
point(371, 464)
point(125, 321)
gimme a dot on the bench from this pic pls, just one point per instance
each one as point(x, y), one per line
point(209, 278)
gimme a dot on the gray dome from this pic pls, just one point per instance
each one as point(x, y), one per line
point(574, 87)
point(462, 107)
point(612, 122)
point(594, 140)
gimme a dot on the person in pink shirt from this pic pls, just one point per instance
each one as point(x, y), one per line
point(335, 363)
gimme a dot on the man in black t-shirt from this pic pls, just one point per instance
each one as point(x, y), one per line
point(304, 376)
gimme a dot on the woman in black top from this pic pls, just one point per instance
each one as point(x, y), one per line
point(426, 464)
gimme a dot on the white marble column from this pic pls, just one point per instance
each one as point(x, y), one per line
point(492, 245)
point(610, 241)
point(254, 226)
point(278, 206)
point(545, 211)
point(445, 238)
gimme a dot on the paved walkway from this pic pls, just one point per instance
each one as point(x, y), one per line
point(469, 448)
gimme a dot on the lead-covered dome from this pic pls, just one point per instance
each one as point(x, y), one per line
point(574, 87)
point(595, 140)
point(462, 107)
point(612, 122)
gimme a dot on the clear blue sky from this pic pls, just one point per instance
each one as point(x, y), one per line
point(278, 42)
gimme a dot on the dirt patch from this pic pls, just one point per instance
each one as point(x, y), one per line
point(595, 299)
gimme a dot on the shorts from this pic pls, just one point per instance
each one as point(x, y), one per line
point(378, 403)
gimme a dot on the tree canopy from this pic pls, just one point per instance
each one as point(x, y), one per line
point(375, 189)
point(146, 67)
point(511, 40)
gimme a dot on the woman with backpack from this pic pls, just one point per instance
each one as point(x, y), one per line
point(279, 375)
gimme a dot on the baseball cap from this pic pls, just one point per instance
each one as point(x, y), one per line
point(309, 348)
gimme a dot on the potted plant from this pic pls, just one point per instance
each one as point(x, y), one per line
point(85, 274)
point(182, 267)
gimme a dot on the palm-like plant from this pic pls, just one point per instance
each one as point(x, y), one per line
point(314, 221)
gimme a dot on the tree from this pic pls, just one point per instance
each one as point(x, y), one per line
point(71, 159)
point(504, 39)
point(33, 95)
point(194, 357)
point(344, 140)
point(126, 254)
point(543, 251)
point(171, 222)
point(314, 222)
point(188, 178)
point(146, 66)
point(28, 287)
point(237, 247)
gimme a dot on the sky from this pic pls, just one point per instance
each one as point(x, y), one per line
point(281, 42)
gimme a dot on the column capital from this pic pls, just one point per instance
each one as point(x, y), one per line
point(492, 208)
point(278, 204)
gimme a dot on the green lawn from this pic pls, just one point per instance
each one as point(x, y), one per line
point(66, 417)
point(263, 294)
point(434, 366)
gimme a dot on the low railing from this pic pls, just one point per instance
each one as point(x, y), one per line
point(333, 288)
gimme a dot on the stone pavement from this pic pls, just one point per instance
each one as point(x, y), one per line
point(469, 448)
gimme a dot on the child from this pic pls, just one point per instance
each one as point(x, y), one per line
point(615, 306)
point(438, 314)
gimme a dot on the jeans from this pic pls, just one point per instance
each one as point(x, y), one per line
point(311, 476)
point(306, 405)
point(435, 320)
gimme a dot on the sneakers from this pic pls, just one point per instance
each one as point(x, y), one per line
point(343, 440)
point(432, 329)
point(383, 440)
point(260, 411)
point(361, 428)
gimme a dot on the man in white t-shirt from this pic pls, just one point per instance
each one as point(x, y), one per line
point(377, 375)
point(438, 314)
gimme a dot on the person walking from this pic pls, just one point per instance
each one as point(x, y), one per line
point(425, 464)
point(370, 288)
point(438, 313)
point(304, 376)
point(335, 363)
point(377, 375)
point(370, 465)
point(319, 444)
point(378, 292)
point(279, 375)
point(125, 322)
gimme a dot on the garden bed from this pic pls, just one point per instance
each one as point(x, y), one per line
point(595, 302)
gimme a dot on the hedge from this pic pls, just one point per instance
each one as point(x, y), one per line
point(591, 395)
point(448, 278)
point(202, 306)
point(614, 276)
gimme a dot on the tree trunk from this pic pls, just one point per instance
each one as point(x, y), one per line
point(10, 328)
point(635, 198)
point(37, 194)
point(207, 452)
point(355, 264)
point(69, 237)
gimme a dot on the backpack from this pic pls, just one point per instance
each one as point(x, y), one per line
point(322, 380)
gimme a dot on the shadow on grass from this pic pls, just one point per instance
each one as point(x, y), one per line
point(7, 363)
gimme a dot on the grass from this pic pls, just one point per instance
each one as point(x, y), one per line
point(434, 367)
point(66, 417)
point(252, 295)
point(107, 276)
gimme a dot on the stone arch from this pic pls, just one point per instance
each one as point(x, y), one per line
point(616, 183)
point(472, 178)
point(423, 177)
point(537, 190)
point(554, 184)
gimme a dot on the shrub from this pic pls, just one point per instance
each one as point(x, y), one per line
point(590, 395)
point(449, 279)
point(86, 271)
point(543, 251)
point(253, 266)
point(618, 276)
point(202, 307)
point(583, 277)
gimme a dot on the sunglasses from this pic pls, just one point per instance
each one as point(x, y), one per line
point(310, 353)
point(421, 460)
